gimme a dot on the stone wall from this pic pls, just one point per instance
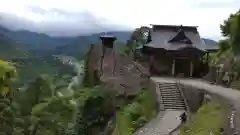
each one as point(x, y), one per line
point(152, 88)
point(194, 97)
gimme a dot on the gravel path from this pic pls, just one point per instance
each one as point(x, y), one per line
point(162, 125)
point(228, 93)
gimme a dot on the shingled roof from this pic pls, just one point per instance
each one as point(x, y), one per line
point(162, 36)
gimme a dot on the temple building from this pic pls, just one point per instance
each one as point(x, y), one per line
point(176, 50)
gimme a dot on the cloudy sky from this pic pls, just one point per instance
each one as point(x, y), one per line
point(73, 17)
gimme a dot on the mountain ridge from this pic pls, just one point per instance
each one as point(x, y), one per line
point(42, 44)
point(33, 52)
point(28, 40)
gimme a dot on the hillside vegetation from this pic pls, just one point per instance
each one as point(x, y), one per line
point(229, 52)
point(43, 89)
point(210, 117)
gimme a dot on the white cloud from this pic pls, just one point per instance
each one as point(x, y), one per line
point(207, 14)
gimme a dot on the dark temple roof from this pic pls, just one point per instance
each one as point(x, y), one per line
point(172, 37)
point(174, 27)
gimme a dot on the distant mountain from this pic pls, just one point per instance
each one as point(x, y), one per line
point(209, 41)
point(35, 41)
point(33, 52)
point(81, 43)
point(41, 44)
point(210, 44)
point(9, 50)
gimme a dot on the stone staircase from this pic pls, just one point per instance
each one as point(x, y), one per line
point(170, 97)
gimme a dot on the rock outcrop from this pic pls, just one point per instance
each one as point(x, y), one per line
point(122, 76)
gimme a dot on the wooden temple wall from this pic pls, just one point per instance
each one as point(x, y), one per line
point(160, 64)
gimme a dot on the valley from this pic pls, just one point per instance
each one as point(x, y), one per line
point(56, 91)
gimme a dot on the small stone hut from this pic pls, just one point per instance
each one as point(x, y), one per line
point(123, 75)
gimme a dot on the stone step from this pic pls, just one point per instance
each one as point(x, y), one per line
point(168, 88)
point(173, 102)
point(171, 95)
point(163, 87)
point(172, 92)
point(167, 85)
point(173, 106)
point(173, 88)
point(172, 98)
point(168, 93)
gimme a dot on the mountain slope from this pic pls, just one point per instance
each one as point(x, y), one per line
point(81, 43)
point(35, 41)
point(209, 41)
point(9, 50)
point(41, 44)
point(33, 52)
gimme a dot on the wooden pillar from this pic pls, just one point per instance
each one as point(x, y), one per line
point(173, 67)
point(207, 56)
point(191, 68)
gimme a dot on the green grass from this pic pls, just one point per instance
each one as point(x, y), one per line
point(209, 118)
point(130, 117)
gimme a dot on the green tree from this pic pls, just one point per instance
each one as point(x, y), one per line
point(138, 38)
point(43, 111)
point(231, 30)
point(10, 124)
point(94, 110)
point(224, 45)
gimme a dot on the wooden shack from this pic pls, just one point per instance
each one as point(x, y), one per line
point(174, 50)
